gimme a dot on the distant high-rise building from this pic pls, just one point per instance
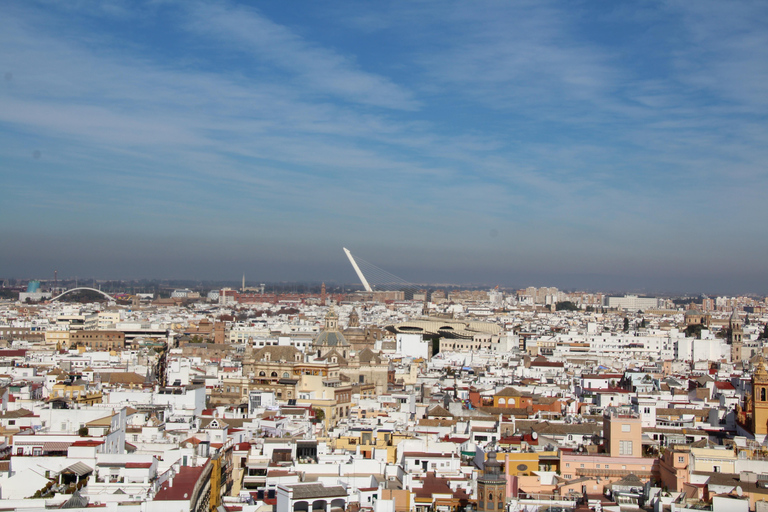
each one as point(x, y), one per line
point(631, 302)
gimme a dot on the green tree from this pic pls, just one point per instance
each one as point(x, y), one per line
point(693, 330)
point(566, 305)
point(626, 324)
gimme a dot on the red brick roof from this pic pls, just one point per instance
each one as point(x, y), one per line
point(88, 442)
point(137, 465)
point(183, 485)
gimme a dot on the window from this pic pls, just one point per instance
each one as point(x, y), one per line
point(681, 459)
point(625, 428)
point(625, 447)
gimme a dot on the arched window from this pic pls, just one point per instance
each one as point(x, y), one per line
point(274, 374)
point(286, 375)
point(502, 401)
point(762, 394)
point(262, 374)
point(490, 496)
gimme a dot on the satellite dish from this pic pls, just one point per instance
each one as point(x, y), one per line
point(535, 436)
point(739, 491)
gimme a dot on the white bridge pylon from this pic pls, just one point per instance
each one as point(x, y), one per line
point(357, 270)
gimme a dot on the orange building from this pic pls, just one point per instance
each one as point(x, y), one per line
point(674, 467)
point(622, 455)
point(511, 398)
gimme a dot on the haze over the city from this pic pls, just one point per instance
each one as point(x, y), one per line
point(602, 145)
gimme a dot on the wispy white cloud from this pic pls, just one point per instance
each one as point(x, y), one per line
point(320, 70)
point(503, 117)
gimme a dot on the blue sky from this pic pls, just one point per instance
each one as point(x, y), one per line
point(573, 144)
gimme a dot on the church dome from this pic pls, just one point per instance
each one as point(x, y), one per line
point(331, 336)
point(331, 339)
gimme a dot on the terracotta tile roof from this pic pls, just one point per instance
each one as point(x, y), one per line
point(183, 485)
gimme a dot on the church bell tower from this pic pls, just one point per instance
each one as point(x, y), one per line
point(760, 400)
point(492, 486)
point(735, 336)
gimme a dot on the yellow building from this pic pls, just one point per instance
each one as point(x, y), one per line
point(76, 391)
point(57, 338)
point(760, 400)
point(525, 463)
point(368, 440)
point(713, 460)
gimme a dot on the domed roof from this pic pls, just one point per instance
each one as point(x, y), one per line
point(331, 339)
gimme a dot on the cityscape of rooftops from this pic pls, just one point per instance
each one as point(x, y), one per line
point(429, 256)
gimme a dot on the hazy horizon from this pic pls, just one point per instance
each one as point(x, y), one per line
point(582, 146)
